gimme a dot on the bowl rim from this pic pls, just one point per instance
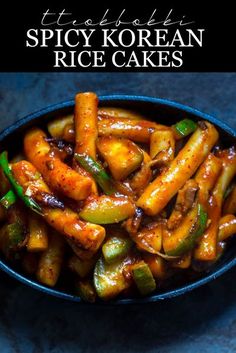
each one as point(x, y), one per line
point(168, 294)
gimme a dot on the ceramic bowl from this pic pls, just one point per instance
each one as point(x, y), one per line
point(160, 110)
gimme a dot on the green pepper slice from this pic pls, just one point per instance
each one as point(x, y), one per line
point(29, 202)
point(97, 171)
point(8, 199)
point(184, 128)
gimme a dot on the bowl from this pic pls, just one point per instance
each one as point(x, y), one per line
point(160, 110)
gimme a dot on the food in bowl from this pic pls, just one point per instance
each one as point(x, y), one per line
point(114, 204)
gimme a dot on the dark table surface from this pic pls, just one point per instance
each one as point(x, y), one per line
point(201, 321)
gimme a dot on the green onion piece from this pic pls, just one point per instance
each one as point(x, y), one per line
point(184, 127)
point(29, 202)
point(8, 199)
point(202, 221)
point(97, 171)
point(143, 278)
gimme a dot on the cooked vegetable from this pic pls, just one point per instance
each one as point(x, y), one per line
point(8, 199)
point(108, 279)
point(162, 146)
point(52, 169)
point(86, 290)
point(38, 234)
point(107, 209)
point(122, 156)
point(183, 238)
point(227, 227)
point(157, 194)
point(97, 171)
point(143, 278)
point(115, 248)
point(184, 127)
point(50, 262)
point(29, 202)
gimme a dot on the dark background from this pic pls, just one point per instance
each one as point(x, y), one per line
point(202, 321)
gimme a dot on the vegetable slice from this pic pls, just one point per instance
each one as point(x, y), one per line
point(184, 238)
point(97, 171)
point(18, 189)
point(184, 128)
point(143, 278)
point(115, 248)
point(122, 155)
point(107, 209)
point(108, 279)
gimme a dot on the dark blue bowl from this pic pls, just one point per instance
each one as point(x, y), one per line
point(161, 110)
